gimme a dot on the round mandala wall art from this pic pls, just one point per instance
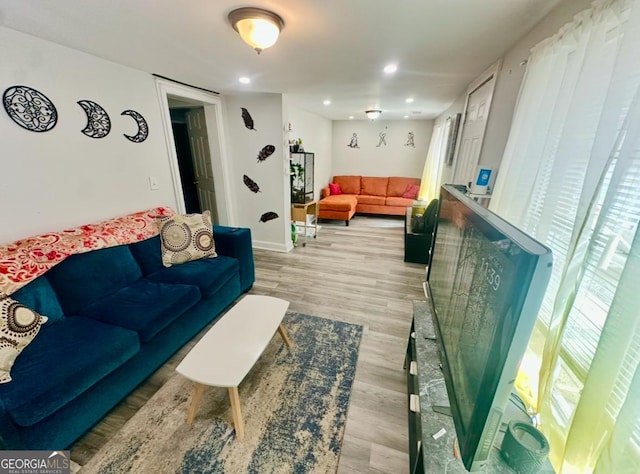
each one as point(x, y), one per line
point(30, 108)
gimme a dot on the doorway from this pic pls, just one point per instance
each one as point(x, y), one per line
point(197, 151)
point(185, 159)
point(474, 124)
point(194, 157)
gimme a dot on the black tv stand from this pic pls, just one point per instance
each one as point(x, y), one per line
point(442, 409)
point(425, 391)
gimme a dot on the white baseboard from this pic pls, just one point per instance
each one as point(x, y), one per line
point(274, 247)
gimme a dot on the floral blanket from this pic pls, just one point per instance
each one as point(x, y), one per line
point(25, 260)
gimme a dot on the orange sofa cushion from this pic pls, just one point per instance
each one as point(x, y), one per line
point(397, 185)
point(373, 186)
point(376, 200)
point(338, 202)
point(349, 184)
point(399, 201)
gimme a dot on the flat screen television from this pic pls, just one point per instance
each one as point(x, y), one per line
point(485, 284)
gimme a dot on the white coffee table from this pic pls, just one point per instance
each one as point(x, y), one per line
point(226, 353)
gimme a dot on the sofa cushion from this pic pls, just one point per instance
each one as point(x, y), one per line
point(399, 201)
point(19, 325)
point(39, 296)
point(348, 184)
point(376, 200)
point(87, 277)
point(207, 274)
point(148, 254)
point(341, 202)
point(398, 185)
point(373, 186)
point(67, 357)
point(186, 238)
point(145, 306)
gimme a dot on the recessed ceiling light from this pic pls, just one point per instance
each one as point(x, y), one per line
point(350, 117)
point(409, 100)
point(244, 80)
point(327, 102)
point(390, 68)
point(406, 116)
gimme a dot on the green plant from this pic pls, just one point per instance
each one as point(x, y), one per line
point(296, 171)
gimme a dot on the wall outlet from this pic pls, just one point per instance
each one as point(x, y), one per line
point(153, 183)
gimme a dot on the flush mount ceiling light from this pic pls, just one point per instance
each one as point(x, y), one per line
point(373, 114)
point(390, 68)
point(257, 27)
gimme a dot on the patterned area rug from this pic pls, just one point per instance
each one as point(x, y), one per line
point(294, 404)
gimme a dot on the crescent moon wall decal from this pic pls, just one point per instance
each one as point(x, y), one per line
point(143, 128)
point(98, 122)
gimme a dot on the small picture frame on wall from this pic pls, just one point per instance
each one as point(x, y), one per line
point(454, 125)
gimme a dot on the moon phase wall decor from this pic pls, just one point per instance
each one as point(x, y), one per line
point(266, 152)
point(143, 128)
point(30, 108)
point(98, 122)
point(34, 111)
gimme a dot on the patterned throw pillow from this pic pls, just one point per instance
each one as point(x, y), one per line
point(186, 237)
point(18, 326)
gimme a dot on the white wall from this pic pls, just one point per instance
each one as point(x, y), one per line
point(62, 178)
point(510, 78)
point(317, 137)
point(392, 159)
point(271, 175)
point(446, 176)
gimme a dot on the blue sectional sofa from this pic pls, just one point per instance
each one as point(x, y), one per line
point(115, 316)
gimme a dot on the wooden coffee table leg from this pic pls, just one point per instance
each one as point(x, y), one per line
point(195, 401)
point(237, 414)
point(284, 336)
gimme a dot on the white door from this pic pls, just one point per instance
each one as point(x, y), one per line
point(196, 124)
point(478, 104)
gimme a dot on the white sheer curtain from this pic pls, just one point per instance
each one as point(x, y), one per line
point(570, 176)
point(430, 184)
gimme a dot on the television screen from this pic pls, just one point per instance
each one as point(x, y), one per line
point(486, 280)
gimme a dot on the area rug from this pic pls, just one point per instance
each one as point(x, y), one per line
point(294, 404)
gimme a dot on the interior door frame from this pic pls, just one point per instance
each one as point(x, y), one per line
point(217, 145)
point(490, 73)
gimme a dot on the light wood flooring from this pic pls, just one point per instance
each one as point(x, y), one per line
point(354, 274)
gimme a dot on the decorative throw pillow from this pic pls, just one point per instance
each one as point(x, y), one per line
point(411, 192)
point(18, 326)
point(334, 189)
point(186, 237)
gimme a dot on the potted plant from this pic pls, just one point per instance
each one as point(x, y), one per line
point(295, 145)
point(296, 171)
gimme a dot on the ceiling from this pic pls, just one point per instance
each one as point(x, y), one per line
point(328, 49)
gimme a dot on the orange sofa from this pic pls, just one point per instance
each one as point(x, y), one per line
point(365, 195)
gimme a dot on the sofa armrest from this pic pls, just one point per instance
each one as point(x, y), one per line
point(325, 192)
point(236, 242)
point(9, 436)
